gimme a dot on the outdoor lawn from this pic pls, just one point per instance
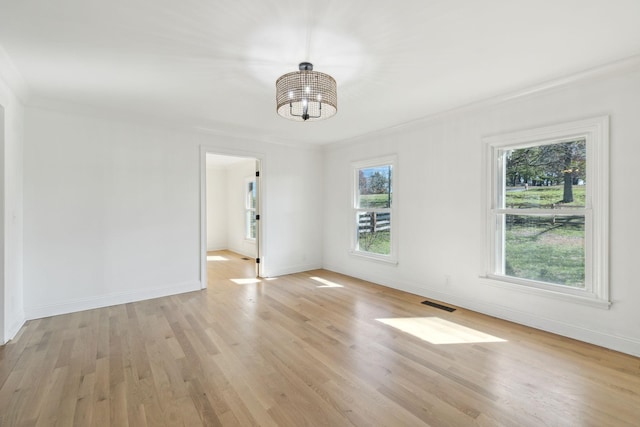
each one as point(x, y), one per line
point(547, 248)
point(375, 200)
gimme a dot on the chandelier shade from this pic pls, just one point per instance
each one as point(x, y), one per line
point(306, 95)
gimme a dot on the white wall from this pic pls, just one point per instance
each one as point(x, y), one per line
point(11, 254)
point(237, 174)
point(112, 210)
point(439, 197)
point(292, 206)
point(226, 207)
point(216, 208)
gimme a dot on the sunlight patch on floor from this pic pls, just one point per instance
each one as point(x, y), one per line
point(326, 283)
point(216, 258)
point(250, 280)
point(439, 331)
point(246, 281)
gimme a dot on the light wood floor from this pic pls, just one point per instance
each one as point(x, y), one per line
point(305, 349)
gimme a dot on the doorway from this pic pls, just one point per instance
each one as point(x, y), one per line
point(230, 205)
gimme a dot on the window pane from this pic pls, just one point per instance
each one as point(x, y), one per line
point(374, 187)
point(251, 224)
point(551, 176)
point(374, 232)
point(251, 195)
point(545, 248)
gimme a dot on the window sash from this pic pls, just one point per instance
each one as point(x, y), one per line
point(250, 215)
point(250, 209)
point(500, 244)
point(595, 132)
point(357, 210)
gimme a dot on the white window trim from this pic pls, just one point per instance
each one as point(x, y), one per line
point(392, 258)
point(596, 211)
point(247, 180)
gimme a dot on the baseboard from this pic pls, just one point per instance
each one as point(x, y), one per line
point(283, 271)
point(242, 252)
point(217, 248)
point(81, 304)
point(13, 330)
point(614, 342)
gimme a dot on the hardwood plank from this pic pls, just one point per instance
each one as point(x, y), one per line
point(101, 395)
point(305, 349)
point(84, 405)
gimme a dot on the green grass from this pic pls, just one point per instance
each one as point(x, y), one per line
point(374, 200)
point(543, 197)
point(545, 248)
point(377, 243)
point(539, 249)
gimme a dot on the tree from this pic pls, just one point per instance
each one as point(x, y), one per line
point(523, 165)
point(574, 167)
point(378, 183)
point(567, 160)
point(567, 195)
point(362, 182)
point(549, 164)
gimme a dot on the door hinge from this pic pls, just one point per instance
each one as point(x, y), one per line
point(257, 217)
point(258, 173)
point(257, 260)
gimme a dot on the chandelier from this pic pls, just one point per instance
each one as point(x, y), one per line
point(306, 94)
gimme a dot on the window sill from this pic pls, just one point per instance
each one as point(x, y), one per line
point(585, 299)
point(372, 257)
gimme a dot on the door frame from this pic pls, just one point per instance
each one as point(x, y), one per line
point(260, 157)
point(4, 333)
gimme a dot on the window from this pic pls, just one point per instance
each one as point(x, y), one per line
point(373, 209)
point(250, 209)
point(547, 209)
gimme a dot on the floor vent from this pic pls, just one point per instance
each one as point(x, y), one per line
point(246, 259)
point(440, 306)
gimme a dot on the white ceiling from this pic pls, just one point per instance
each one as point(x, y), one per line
point(213, 64)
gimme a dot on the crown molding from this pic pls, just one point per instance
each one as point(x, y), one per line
point(612, 68)
point(10, 74)
point(217, 130)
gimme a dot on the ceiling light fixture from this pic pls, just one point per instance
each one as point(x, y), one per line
point(306, 94)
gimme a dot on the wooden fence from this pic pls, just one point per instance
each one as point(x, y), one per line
point(374, 221)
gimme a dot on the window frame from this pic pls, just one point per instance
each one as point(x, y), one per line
point(595, 131)
point(392, 257)
point(248, 209)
